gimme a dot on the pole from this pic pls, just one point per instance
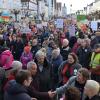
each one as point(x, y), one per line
point(16, 16)
point(37, 9)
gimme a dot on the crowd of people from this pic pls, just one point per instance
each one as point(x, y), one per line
point(49, 64)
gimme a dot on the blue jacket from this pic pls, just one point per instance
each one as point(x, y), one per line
point(55, 66)
point(15, 91)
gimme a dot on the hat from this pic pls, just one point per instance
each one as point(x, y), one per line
point(27, 49)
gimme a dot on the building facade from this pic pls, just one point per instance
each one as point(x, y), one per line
point(64, 11)
point(59, 9)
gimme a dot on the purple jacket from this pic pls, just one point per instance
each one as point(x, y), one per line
point(25, 58)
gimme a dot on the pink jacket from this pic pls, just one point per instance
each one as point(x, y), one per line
point(6, 59)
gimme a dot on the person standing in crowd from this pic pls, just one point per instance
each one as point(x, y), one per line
point(84, 54)
point(34, 88)
point(35, 46)
point(2, 81)
point(13, 45)
point(26, 56)
point(62, 37)
point(16, 66)
point(92, 90)
point(6, 59)
point(72, 41)
point(65, 49)
point(19, 47)
point(16, 89)
point(94, 40)
point(68, 68)
point(55, 61)
point(78, 81)
point(76, 45)
point(50, 48)
point(95, 63)
point(43, 71)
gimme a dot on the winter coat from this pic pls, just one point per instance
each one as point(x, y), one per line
point(71, 70)
point(49, 53)
point(15, 91)
point(6, 59)
point(72, 82)
point(96, 97)
point(34, 90)
point(55, 66)
point(19, 49)
point(84, 56)
point(64, 52)
point(13, 47)
point(25, 58)
point(44, 76)
point(34, 49)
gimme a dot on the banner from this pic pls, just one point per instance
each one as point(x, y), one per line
point(45, 24)
point(81, 17)
point(94, 25)
point(39, 26)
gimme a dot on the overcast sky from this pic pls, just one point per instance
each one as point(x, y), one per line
point(76, 4)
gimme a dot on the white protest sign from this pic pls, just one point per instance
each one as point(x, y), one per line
point(59, 23)
point(45, 24)
point(25, 30)
point(94, 25)
point(39, 26)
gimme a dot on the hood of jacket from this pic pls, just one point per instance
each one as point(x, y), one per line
point(6, 52)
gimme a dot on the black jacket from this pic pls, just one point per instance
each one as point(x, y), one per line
point(84, 56)
point(15, 91)
point(96, 97)
point(34, 90)
point(64, 52)
point(45, 76)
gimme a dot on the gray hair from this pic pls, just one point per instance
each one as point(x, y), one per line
point(29, 65)
point(65, 42)
point(16, 65)
point(39, 54)
point(91, 84)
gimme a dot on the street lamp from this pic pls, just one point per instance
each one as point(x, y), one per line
point(15, 12)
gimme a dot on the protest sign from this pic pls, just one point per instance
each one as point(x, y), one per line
point(59, 23)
